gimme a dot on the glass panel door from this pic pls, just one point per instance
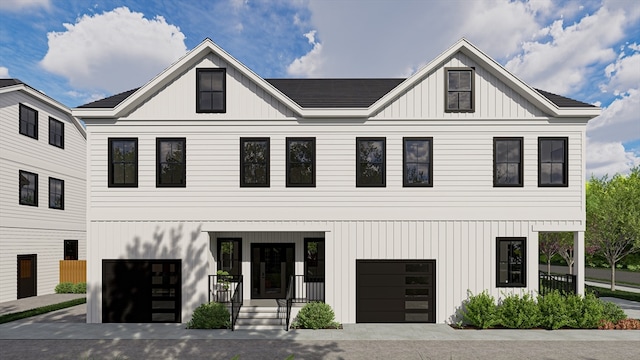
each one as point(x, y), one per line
point(271, 266)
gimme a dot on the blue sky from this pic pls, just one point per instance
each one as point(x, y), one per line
point(77, 51)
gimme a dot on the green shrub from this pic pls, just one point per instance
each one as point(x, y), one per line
point(212, 315)
point(517, 312)
point(612, 312)
point(553, 310)
point(480, 310)
point(64, 288)
point(316, 315)
point(80, 288)
point(584, 312)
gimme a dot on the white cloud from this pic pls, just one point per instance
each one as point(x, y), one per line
point(609, 158)
point(308, 65)
point(113, 51)
point(4, 72)
point(17, 5)
point(619, 121)
point(623, 74)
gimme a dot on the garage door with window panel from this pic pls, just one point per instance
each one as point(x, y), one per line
point(395, 291)
point(141, 291)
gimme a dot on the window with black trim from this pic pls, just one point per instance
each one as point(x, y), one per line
point(71, 249)
point(507, 162)
point(171, 165)
point(301, 162)
point(371, 157)
point(56, 133)
point(552, 161)
point(211, 90)
point(254, 162)
point(460, 84)
point(511, 262)
point(123, 162)
point(416, 158)
point(28, 188)
point(28, 121)
point(314, 259)
point(230, 256)
point(56, 193)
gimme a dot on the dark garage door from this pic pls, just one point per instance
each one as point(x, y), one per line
point(395, 291)
point(141, 291)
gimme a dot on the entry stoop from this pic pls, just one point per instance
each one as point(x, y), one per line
point(261, 318)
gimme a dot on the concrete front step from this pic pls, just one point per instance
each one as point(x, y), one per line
point(258, 327)
point(260, 318)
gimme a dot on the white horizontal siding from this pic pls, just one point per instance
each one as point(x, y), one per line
point(177, 100)
point(462, 175)
point(493, 98)
point(38, 230)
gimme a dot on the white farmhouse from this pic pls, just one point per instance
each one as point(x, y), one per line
point(386, 198)
point(42, 190)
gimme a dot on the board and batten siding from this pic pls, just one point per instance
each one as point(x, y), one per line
point(493, 98)
point(462, 174)
point(38, 230)
point(464, 252)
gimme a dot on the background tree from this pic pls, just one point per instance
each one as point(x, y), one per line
point(560, 243)
point(613, 217)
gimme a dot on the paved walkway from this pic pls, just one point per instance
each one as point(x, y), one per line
point(34, 302)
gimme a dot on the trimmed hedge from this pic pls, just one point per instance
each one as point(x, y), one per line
point(71, 288)
point(552, 311)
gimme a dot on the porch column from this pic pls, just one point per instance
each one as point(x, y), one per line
point(578, 260)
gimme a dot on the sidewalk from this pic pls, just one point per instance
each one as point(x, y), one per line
point(608, 286)
point(34, 302)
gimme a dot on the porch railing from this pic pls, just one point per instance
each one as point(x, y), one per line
point(307, 288)
point(289, 300)
point(564, 283)
point(227, 289)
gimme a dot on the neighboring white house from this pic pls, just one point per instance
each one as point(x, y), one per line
point(398, 195)
point(42, 190)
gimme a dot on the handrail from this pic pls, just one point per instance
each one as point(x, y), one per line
point(289, 299)
point(236, 303)
point(564, 283)
point(227, 289)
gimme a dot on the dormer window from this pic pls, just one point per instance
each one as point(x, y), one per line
point(460, 84)
point(211, 91)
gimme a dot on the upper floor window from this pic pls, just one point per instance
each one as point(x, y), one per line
point(416, 158)
point(28, 188)
point(28, 122)
point(507, 161)
point(371, 157)
point(123, 162)
point(552, 162)
point(460, 84)
point(511, 262)
point(254, 162)
point(301, 162)
point(56, 193)
point(211, 90)
point(56, 133)
point(171, 162)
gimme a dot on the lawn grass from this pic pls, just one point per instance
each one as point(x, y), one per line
point(606, 292)
point(41, 310)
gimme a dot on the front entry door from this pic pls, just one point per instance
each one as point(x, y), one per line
point(271, 267)
point(26, 276)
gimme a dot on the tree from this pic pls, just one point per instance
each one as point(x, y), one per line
point(613, 217)
point(560, 243)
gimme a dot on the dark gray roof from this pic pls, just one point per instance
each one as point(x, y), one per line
point(9, 82)
point(563, 102)
point(335, 93)
point(332, 93)
point(111, 101)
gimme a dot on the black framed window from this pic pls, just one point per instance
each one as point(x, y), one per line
point(211, 90)
point(511, 262)
point(71, 249)
point(507, 162)
point(123, 162)
point(28, 188)
point(56, 193)
point(371, 162)
point(301, 162)
point(314, 259)
point(417, 161)
point(552, 161)
point(254, 162)
point(28, 121)
point(56, 133)
point(230, 256)
point(171, 165)
point(460, 84)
